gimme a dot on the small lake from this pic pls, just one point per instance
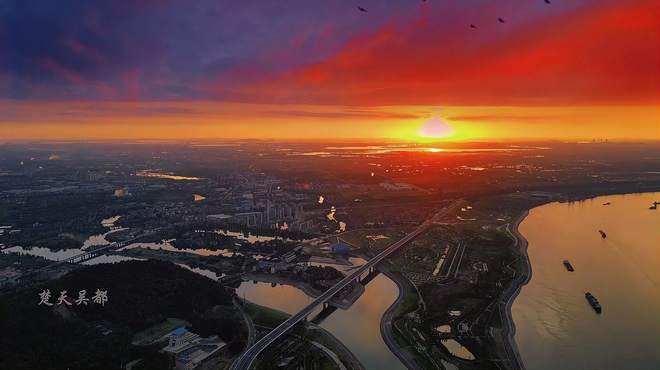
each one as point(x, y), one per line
point(555, 326)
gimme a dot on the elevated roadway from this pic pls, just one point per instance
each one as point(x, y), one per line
point(247, 358)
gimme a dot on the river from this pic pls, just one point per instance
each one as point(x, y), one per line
point(62, 254)
point(555, 326)
point(358, 327)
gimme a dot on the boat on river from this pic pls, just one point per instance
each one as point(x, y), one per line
point(593, 302)
point(568, 266)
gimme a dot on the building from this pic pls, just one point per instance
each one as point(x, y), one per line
point(480, 266)
point(178, 339)
point(121, 193)
point(219, 217)
point(273, 214)
point(397, 186)
point(189, 349)
point(340, 248)
point(249, 218)
point(91, 175)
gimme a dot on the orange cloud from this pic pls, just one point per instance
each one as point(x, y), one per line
point(594, 55)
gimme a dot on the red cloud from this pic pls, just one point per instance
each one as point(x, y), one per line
point(607, 54)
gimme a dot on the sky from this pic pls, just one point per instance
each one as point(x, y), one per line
point(122, 69)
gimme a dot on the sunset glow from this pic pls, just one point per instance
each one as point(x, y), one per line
point(435, 128)
point(558, 71)
point(231, 172)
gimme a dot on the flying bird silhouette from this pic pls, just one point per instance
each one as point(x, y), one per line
point(501, 20)
point(547, 1)
point(362, 9)
point(473, 26)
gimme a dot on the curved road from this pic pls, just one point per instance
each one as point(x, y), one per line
point(386, 328)
point(245, 361)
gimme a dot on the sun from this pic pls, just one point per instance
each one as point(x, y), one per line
point(435, 128)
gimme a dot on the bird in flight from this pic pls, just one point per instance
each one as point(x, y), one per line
point(501, 20)
point(362, 9)
point(473, 26)
point(547, 1)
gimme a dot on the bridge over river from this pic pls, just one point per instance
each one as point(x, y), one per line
point(95, 251)
point(247, 358)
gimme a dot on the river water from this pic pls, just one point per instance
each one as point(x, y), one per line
point(62, 254)
point(555, 326)
point(358, 328)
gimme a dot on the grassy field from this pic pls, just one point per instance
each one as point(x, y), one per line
point(409, 302)
point(22, 261)
point(265, 316)
point(358, 239)
point(156, 332)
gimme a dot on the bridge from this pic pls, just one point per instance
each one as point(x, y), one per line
point(88, 254)
point(95, 251)
point(246, 359)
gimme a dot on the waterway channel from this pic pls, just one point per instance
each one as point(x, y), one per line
point(358, 327)
point(556, 328)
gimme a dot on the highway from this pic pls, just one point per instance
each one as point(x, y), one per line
point(245, 360)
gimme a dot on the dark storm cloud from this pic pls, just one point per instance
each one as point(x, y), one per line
point(159, 49)
point(77, 43)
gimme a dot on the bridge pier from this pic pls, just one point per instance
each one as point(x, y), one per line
point(327, 310)
point(373, 272)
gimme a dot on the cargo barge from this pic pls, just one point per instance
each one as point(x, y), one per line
point(568, 266)
point(593, 302)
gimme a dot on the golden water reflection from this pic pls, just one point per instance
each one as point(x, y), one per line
point(358, 327)
point(555, 326)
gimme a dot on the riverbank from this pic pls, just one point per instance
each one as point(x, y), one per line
point(524, 275)
point(555, 327)
point(386, 323)
point(345, 303)
point(266, 318)
point(510, 294)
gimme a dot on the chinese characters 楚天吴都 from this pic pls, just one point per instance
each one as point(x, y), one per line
point(100, 297)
